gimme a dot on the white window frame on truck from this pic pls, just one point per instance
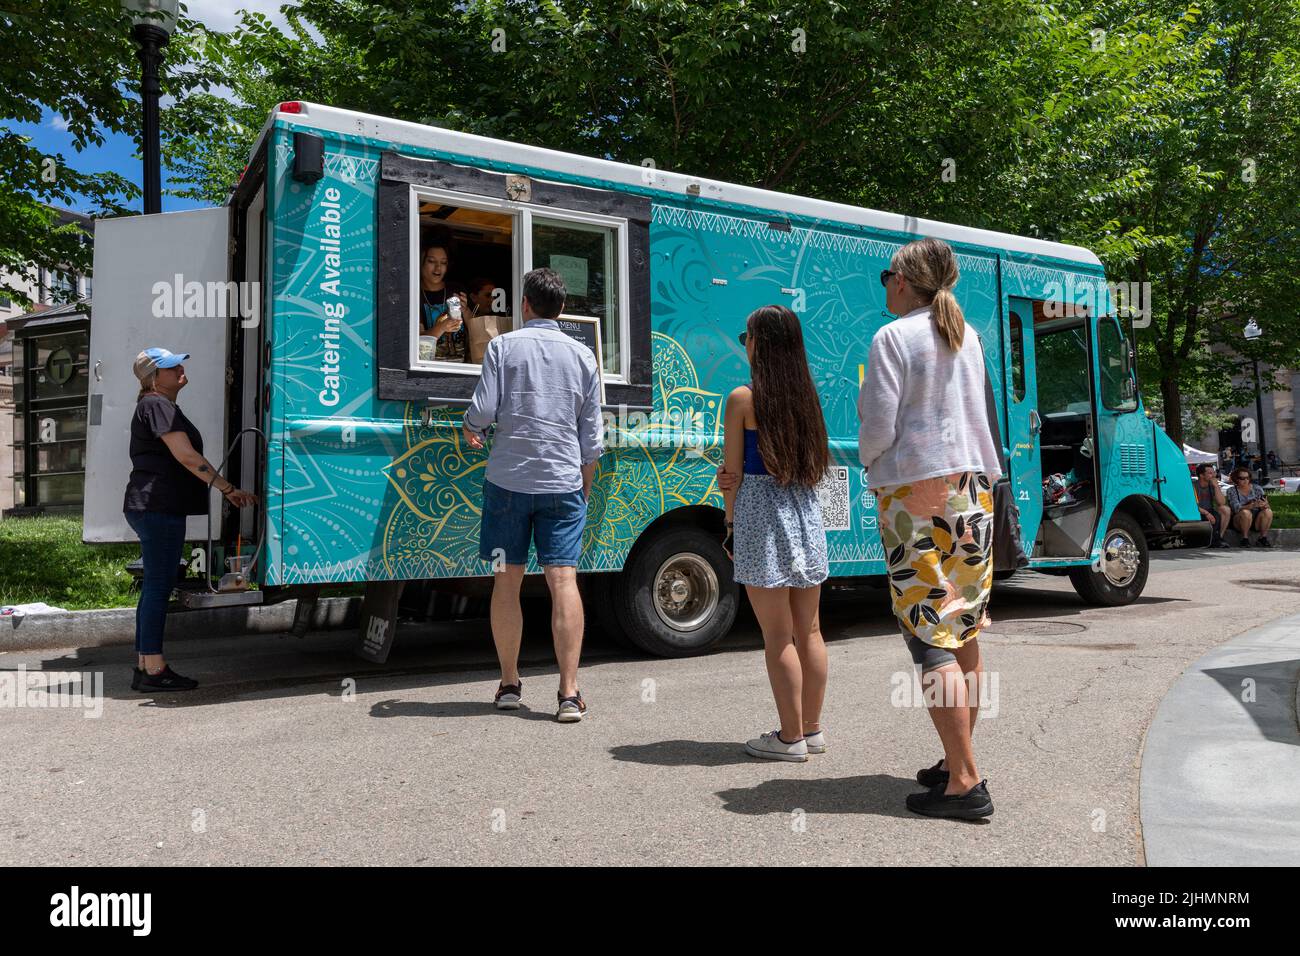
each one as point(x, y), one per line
point(521, 263)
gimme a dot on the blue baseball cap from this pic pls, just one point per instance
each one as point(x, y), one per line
point(150, 360)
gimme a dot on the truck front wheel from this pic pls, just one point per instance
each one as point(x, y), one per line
point(1121, 572)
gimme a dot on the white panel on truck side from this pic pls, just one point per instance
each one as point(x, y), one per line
point(138, 262)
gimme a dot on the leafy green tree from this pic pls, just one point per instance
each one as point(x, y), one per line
point(1161, 135)
point(68, 57)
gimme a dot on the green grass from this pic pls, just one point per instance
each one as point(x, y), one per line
point(1286, 510)
point(43, 559)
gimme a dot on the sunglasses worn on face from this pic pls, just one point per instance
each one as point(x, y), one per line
point(886, 275)
point(742, 336)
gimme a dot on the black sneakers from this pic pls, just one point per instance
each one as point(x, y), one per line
point(933, 776)
point(972, 805)
point(166, 680)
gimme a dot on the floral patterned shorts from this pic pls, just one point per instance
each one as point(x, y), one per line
point(938, 534)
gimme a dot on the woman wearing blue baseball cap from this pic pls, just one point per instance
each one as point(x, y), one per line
point(169, 480)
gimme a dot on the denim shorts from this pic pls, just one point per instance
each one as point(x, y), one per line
point(511, 519)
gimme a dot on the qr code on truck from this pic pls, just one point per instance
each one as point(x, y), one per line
point(833, 497)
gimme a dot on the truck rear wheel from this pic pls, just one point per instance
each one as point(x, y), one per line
point(1122, 569)
point(676, 596)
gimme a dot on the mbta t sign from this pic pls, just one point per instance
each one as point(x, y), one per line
point(59, 366)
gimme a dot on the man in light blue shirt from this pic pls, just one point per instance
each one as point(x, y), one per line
point(541, 389)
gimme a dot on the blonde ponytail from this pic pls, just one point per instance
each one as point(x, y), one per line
point(930, 266)
point(947, 315)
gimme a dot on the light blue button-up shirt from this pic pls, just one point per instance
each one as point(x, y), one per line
point(542, 389)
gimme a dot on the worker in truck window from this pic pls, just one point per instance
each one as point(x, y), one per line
point(169, 479)
point(442, 306)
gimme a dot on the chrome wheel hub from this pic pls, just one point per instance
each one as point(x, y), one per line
point(1120, 558)
point(686, 591)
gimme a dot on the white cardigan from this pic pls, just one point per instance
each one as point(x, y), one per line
point(922, 406)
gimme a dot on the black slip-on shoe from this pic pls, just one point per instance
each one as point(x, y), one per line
point(136, 674)
point(1264, 542)
point(972, 805)
point(166, 680)
point(933, 776)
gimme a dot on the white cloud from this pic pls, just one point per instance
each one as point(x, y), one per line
point(59, 122)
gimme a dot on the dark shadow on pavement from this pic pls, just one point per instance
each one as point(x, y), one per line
point(1274, 690)
point(451, 708)
point(876, 794)
point(685, 753)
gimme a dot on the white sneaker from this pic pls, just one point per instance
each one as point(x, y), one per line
point(772, 747)
point(816, 742)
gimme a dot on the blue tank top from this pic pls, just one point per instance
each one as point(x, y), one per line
point(753, 460)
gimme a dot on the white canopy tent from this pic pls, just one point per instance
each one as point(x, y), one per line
point(1195, 456)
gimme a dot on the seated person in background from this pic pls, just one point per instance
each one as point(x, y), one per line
point(1250, 510)
point(484, 324)
point(436, 320)
point(1273, 460)
point(1214, 508)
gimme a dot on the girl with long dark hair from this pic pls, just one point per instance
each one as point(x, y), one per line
point(776, 452)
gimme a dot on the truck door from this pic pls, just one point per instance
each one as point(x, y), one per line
point(148, 272)
point(1125, 447)
point(1024, 422)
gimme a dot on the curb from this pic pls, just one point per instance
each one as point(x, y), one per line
point(117, 625)
point(1222, 755)
point(1285, 539)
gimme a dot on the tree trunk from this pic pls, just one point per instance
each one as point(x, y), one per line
point(1173, 400)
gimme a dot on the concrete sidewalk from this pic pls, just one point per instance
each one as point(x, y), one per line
point(1220, 779)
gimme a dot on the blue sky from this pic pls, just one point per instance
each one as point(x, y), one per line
point(118, 152)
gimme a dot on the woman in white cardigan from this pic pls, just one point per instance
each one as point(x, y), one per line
point(931, 462)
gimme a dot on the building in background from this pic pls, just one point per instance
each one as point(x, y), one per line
point(44, 348)
point(1279, 428)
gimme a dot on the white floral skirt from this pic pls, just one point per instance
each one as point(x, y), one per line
point(779, 538)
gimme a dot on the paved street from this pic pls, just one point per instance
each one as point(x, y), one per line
point(273, 761)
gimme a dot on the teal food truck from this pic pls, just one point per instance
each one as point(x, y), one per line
point(299, 302)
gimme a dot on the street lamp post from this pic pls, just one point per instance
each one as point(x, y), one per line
point(154, 22)
point(1253, 332)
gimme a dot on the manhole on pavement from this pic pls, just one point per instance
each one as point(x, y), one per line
point(1036, 628)
point(1270, 584)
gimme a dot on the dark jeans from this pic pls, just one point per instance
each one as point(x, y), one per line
point(162, 539)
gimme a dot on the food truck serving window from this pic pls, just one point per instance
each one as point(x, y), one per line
point(454, 243)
